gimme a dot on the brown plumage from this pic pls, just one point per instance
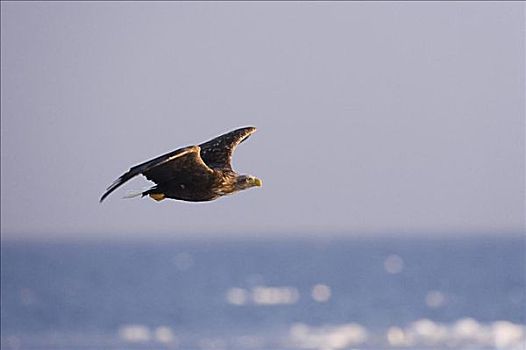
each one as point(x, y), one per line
point(194, 173)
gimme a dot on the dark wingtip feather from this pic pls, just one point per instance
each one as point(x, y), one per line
point(103, 197)
point(115, 185)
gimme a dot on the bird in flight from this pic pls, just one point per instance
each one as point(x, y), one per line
point(195, 173)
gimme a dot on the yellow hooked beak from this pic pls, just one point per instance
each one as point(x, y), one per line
point(257, 182)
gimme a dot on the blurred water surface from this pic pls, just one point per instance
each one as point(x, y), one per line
point(291, 293)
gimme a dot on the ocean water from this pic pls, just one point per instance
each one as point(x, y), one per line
point(291, 293)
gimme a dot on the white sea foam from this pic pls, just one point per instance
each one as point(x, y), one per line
point(465, 333)
point(165, 335)
point(262, 295)
point(435, 299)
point(321, 293)
point(328, 337)
point(423, 333)
point(393, 264)
point(134, 333)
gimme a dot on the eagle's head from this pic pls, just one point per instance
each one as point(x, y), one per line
point(246, 181)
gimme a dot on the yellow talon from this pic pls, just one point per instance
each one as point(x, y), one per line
point(158, 196)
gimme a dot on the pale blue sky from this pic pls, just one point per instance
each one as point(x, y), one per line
point(381, 117)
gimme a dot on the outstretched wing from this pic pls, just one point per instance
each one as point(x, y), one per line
point(185, 162)
point(217, 153)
